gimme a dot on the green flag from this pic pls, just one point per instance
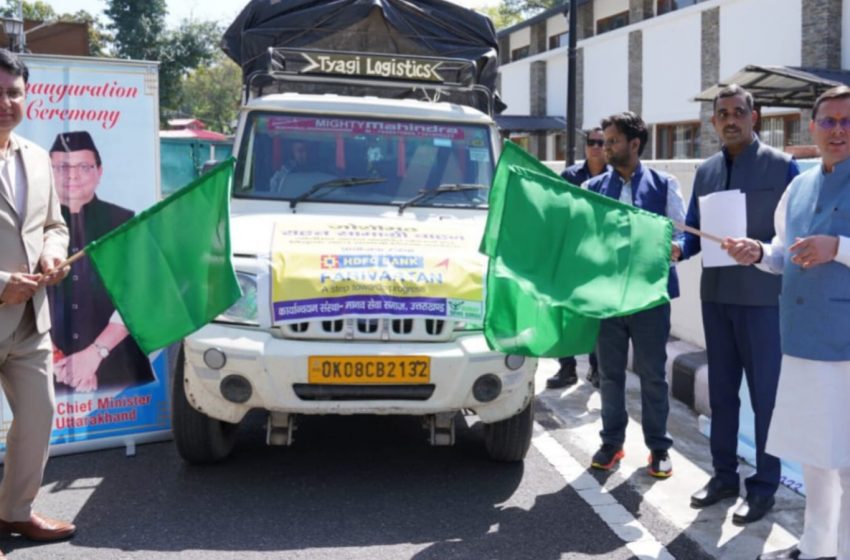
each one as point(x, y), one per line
point(168, 270)
point(562, 258)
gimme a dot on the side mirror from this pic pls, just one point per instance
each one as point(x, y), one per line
point(209, 164)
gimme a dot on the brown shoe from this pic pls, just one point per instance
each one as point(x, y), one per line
point(38, 528)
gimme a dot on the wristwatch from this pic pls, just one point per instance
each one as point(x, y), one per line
point(102, 350)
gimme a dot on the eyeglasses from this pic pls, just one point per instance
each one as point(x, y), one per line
point(597, 143)
point(81, 168)
point(828, 123)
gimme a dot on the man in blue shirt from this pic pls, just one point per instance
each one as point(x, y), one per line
point(632, 183)
point(594, 164)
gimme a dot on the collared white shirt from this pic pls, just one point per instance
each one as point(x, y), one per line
point(12, 180)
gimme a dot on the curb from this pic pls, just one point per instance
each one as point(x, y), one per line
point(687, 375)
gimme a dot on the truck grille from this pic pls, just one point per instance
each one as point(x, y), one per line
point(308, 392)
point(418, 329)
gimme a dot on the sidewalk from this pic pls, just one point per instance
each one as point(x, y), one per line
point(577, 408)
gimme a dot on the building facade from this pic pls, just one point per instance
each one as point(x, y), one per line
point(653, 57)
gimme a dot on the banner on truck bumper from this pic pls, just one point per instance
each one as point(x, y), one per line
point(330, 268)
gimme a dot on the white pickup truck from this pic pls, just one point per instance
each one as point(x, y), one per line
point(355, 224)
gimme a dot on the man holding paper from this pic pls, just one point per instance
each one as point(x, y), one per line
point(739, 304)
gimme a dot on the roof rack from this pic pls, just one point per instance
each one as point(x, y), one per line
point(391, 76)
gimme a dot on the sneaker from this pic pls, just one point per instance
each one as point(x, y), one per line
point(607, 457)
point(593, 377)
point(565, 377)
point(660, 465)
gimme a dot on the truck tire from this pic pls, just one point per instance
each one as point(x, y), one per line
point(200, 440)
point(508, 440)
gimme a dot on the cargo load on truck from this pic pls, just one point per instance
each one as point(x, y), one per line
point(432, 45)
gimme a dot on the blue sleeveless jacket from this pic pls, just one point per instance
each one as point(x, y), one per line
point(815, 302)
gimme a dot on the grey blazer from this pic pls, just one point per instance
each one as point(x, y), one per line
point(24, 239)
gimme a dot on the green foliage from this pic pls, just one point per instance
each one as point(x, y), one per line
point(140, 33)
point(500, 20)
point(138, 27)
point(213, 93)
point(526, 8)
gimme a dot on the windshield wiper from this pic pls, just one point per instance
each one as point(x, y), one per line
point(428, 194)
point(332, 184)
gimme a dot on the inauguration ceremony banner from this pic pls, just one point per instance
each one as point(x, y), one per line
point(327, 268)
point(99, 119)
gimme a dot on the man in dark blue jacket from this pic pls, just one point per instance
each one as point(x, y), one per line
point(740, 312)
point(631, 183)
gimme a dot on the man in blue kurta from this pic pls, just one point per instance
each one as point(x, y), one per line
point(632, 183)
point(740, 311)
point(594, 164)
point(811, 250)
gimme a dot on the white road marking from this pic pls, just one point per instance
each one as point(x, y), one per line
point(638, 539)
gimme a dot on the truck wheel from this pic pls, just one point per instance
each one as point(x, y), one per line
point(508, 440)
point(200, 440)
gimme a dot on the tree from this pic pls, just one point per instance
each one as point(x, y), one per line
point(525, 8)
point(213, 93)
point(140, 33)
point(189, 47)
point(138, 27)
point(500, 20)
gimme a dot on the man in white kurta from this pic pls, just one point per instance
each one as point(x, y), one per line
point(812, 251)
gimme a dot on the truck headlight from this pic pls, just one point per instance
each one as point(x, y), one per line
point(244, 311)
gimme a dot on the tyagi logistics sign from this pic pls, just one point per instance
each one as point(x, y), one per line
point(373, 66)
point(375, 268)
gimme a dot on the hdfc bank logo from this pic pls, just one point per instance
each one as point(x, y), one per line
point(330, 261)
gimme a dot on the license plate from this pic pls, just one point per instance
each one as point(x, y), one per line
point(369, 370)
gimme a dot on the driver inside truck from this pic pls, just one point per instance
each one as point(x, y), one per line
point(296, 161)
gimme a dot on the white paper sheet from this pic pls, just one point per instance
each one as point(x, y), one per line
point(723, 214)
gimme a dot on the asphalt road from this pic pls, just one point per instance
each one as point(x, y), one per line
point(372, 488)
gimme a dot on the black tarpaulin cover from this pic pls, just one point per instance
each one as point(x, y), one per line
point(414, 27)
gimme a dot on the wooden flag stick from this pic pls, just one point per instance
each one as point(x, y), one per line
point(695, 231)
point(80, 254)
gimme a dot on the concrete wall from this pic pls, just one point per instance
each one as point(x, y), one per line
point(845, 39)
point(606, 76)
point(521, 38)
point(515, 83)
point(556, 84)
point(669, 100)
point(744, 41)
point(607, 8)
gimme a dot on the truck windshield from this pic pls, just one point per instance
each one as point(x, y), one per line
point(285, 157)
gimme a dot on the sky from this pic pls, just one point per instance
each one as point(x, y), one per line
point(223, 11)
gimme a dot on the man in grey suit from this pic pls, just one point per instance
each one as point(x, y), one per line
point(33, 244)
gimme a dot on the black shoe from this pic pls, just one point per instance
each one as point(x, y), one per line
point(593, 377)
point(607, 457)
point(753, 509)
point(712, 493)
point(792, 553)
point(565, 377)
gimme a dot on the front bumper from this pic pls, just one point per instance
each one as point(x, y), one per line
point(275, 367)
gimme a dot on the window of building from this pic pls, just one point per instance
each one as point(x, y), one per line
point(560, 146)
point(557, 41)
point(519, 53)
point(664, 6)
point(677, 141)
point(612, 22)
point(780, 131)
point(521, 139)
